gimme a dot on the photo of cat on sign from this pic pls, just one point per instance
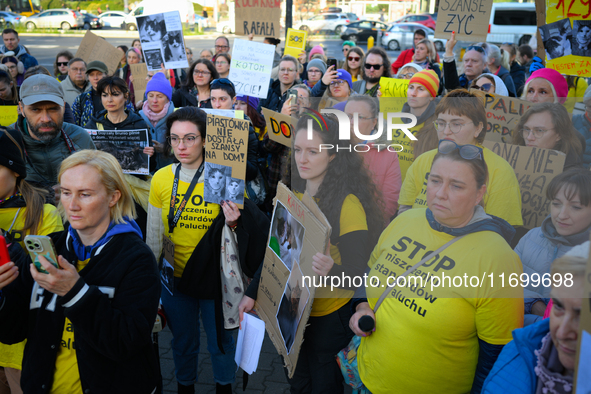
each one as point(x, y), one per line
point(174, 48)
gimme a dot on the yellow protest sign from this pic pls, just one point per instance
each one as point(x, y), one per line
point(295, 42)
point(392, 87)
point(575, 10)
point(279, 127)
point(8, 115)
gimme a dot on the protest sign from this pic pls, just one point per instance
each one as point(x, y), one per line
point(583, 361)
point(279, 127)
point(127, 146)
point(258, 17)
point(502, 115)
point(295, 42)
point(251, 67)
point(140, 74)
point(579, 45)
point(8, 115)
point(230, 113)
point(534, 168)
point(162, 40)
point(283, 300)
point(393, 87)
point(94, 47)
point(225, 159)
point(469, 19)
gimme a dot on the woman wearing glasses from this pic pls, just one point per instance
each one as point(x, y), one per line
point(195, 90)
point(459, 329)
point(341, 87)
point(353, 62)
point(548, 126)
point(490, 83)
point(460, 117)
point(315, 70)
point(222, 64)
point(287, 77)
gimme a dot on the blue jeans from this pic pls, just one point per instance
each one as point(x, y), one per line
point(182, 314)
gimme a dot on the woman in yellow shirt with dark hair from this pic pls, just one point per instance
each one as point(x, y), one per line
point(22, 212)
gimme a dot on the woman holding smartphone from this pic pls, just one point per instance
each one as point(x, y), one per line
point(22, 212)
point(88, 324)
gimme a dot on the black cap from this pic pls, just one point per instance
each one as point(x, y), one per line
point(12, 151)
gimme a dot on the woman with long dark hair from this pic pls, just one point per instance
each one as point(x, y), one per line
point(60, 66)
point(195, 90)
point(249, 105)
point(346, 195)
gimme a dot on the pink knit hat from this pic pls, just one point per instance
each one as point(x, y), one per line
point(315, 50)
point(557, 82)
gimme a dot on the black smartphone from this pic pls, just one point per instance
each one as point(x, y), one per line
point(331, 61)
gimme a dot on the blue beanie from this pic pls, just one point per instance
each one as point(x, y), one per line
point(252, 101)
point(345, 76)
point(160, 84)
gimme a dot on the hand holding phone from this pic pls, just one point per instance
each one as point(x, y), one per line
point(41, 245)
point(331, 61)
point(4, 256)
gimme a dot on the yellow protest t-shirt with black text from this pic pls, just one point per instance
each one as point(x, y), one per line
point(426, 340)
point(194, 221)
point(502, 198)
point(352, 219)
point(66, 378)
point(11, 356)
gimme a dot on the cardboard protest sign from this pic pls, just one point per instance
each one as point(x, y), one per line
point(140, 74)
point(162, 40)
point(392, 87)
point(283, 300)
point(468, 19)
point(534, 168)
point(127, 146)
point(225, 159)
point(578, 61)
point(8, 115)
point(583, 361)
point(94, 47)
point(279, 127)
point(251, 66)
point(295, 42)
point(258, 17)
point(230, 113)
point(502, 115)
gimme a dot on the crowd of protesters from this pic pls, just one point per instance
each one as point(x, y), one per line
point(84, 323)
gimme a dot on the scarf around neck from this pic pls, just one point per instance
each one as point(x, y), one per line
point(155, 117)
point(549, 370)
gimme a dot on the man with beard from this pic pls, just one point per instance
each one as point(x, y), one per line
point(375, 66)
point(48, 140)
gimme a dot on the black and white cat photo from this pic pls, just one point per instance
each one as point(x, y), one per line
point(174, 50)
point(151, 28)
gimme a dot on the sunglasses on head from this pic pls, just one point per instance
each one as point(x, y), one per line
point(374, 66)
point(468, 152)
point(475, 48)
point(353, 58)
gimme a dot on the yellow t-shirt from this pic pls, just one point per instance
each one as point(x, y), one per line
point(352, 219)
point(502, 198)
point(194, 221)
point(425, 341)
point(66, 378)
point(11, 356)
point(406, 156)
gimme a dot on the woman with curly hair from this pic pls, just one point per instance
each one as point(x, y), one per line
point(340, 183)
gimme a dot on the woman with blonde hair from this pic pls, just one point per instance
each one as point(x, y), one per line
point(107, 285)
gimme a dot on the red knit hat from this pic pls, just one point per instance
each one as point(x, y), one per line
point(427, 78)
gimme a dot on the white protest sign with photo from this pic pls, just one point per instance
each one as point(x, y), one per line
point(127, 146)
point(162, 40)
point(251, 67)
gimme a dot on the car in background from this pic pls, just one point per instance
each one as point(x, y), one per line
point(334, 22)
point(400, 36)
point(91, 21)
point(202, 21)
point(353, 17)
point(11, 19)
point(362, 30)
point(512, 22)
point(428, 20)
point(114, 19)
point(60, 18)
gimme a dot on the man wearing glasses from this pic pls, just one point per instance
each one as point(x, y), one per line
point(475, 60)
point(222, 45)
point(375, 66)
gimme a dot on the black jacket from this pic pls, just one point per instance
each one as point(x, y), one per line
point(118, 292)
point(518, 75)
point(506, 78)
point(183, 98)
point(132, 122)
point(201, 276)
point(275, 99)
